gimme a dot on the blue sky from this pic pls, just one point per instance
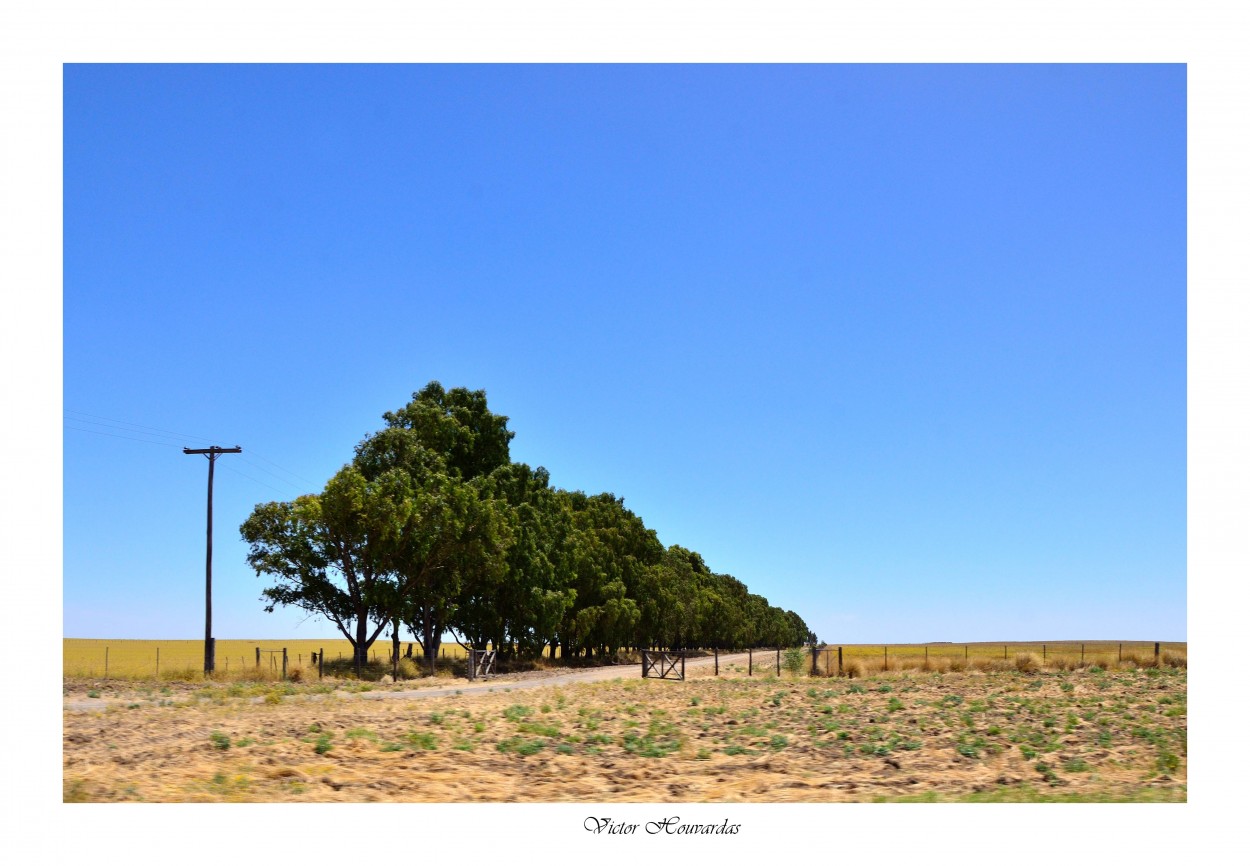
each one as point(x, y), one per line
point(901, 347)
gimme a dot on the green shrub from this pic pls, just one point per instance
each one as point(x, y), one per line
point(516, 712)
point(792, 660)
point(421, 740)
point(519, 746)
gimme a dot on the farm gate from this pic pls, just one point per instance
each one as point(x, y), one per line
point(663, 666)
point(481, 663)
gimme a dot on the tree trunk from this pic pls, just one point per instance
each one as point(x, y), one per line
point(361, 654)
point(430, 639)
point(395, 645)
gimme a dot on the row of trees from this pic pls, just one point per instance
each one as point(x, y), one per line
point(432, 528)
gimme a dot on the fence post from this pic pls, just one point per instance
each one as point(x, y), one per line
point(716, 660)
point(258, 657)
point(321, 661)
point(472, 664)
point(749, 661)
point(158, 661)
point(839, 661)
point(1156, 653)
point(887, 658)
point(965, 652)
point(284, 663)
point(1043, 652)
point(1120, 658)
point(683, 665)
point(926, 652)
point(1082, 653)
point(1004, 652)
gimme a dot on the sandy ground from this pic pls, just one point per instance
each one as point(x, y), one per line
point(607, 735)
point(79, 691)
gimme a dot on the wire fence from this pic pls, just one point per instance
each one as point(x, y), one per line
point(85, 657)
point(853, 659)
point(176, 658)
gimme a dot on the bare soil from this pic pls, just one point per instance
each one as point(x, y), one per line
point(609, 736)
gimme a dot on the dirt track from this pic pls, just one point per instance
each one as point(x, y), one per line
point(77, 701)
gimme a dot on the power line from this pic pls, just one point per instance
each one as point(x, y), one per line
point(274, 474)
point(175, 433)
point(288, 471)
point(119, 436)
point(132, 424)
point(172, 445)
point(156, 436)
point(250, 478)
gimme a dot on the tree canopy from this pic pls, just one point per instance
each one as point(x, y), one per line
point(433, 527)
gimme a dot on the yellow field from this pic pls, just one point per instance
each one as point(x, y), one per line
point(150, 658)
point(877, 657)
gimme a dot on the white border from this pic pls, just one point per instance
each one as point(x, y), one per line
point(37, 37)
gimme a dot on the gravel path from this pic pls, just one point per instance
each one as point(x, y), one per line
point(506, 682)
point(502, 684)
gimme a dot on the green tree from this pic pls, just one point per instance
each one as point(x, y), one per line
point(453, 535)
point(331, 553)
point(722, 612)
point(524, 602)
point(458, 426)
point(433, 527)
point(611, 552)
point(668, 600)
point(799, 632)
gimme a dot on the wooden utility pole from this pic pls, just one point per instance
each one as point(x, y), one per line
point(211, 453)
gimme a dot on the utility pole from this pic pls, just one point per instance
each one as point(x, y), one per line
point(211, 454)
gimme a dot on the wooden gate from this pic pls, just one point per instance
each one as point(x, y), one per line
point(481, 663)
point(663, 666)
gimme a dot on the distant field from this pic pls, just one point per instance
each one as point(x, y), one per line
point(1071, 651)
point(139, 658)
point(151, 658)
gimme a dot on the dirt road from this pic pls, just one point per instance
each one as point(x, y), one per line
point(695, 667)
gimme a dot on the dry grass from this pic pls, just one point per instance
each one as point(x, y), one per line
point(1026, 662)
point(1092, 734)
point(1175, 660)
